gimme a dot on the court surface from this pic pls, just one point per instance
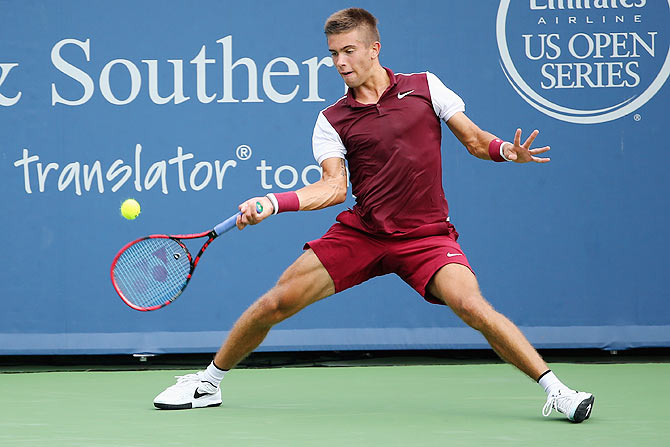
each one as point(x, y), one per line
point(454, 405)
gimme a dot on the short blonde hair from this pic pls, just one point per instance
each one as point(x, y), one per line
point(349, 19)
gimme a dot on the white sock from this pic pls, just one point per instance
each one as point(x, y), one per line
point(213, 374)
point(550, 382)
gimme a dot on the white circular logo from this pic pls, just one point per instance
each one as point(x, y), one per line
point(585, 61)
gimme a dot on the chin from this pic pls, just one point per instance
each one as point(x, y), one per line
point(352, 83)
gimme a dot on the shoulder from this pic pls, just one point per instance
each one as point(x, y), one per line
point(436, 85)
point(336, 114)
point(412, 80)
point(335, 108)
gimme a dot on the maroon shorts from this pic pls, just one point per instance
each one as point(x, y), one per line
point(352, 256)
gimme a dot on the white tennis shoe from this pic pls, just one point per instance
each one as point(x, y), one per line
point(190, 391)
point(576, 405)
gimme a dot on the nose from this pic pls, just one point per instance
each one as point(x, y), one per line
point(340, 63)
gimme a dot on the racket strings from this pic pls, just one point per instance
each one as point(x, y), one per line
point(152, 272)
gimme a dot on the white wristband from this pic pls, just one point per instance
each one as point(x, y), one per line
point(502, 152)
point(275, 204)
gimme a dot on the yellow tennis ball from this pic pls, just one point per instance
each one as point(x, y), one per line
point(130, 209)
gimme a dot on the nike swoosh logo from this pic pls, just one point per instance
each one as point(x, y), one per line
point(451, 255)
point(198, 395)
point(402, 95)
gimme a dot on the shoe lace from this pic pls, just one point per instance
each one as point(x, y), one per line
point(549, 405)
point(559, 402)
point(187, 378)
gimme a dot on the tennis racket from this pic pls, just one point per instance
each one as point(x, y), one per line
point(151, 272)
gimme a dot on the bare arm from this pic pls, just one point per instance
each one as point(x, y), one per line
point(477, 141)
point(330, 190)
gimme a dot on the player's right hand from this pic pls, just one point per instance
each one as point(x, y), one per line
point(249, 212)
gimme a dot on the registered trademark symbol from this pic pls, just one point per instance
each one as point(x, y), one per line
point(243, 152)
point(637, 117)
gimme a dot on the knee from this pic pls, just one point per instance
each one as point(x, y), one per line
point(276, 305)
point(474, 311)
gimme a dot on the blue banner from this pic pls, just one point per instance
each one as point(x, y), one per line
point(193, 108)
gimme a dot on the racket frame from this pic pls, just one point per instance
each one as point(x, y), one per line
point(218, 230)
point(192, 261)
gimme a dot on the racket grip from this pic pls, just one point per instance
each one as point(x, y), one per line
point(229, 223)
point(226, 225)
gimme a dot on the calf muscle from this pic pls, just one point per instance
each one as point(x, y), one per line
point(457, 287)
point(303, 283)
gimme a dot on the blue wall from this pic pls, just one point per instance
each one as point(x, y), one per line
point(574, 251)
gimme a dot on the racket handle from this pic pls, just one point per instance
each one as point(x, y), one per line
point(229, 223)
point(226, 225)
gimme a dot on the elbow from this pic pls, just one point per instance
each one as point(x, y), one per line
point(339, 193)
point(336, 191)
point(340, 196)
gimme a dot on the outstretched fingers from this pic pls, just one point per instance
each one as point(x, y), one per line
point(539, 150)
point(517, 138)
point(524, 153)
point(530, 139)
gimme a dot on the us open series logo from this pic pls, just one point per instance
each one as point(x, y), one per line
point(585, 61)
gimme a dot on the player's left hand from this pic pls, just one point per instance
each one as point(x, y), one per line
point(522, 153)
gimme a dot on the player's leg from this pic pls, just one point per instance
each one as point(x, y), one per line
point(341, 258)
point(457, 287)
point(304, 282)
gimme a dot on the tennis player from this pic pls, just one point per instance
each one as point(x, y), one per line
point(388, 129)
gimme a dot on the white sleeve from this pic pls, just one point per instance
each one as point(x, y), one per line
point(445, 102)
point(326, 142)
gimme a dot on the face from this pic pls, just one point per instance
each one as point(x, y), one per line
point(353, 58)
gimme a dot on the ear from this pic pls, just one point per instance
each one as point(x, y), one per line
point(375, 49)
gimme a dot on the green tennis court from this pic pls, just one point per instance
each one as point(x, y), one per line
point(456, 405)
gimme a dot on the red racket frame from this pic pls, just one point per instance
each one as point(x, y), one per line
point(177, 238)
